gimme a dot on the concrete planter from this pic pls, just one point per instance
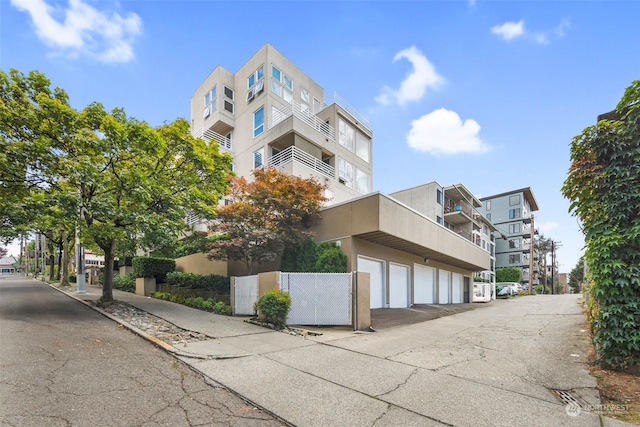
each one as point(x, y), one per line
point(145, 285)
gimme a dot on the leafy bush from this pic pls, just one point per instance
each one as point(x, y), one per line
point(310, 257)
point(210, 282)
point(124, 282)
point(274, 307)
point(508, 274)
point(153, 267)
point(72, 278)
point(198, 302)
point(330, 259)
point(196, 243)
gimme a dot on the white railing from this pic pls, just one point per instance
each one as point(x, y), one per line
point(294, 154)
point(337, 99)
point(295, 109)
point(208, 135)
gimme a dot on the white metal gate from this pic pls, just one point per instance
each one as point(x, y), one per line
point(318, 298)
point(245, 294)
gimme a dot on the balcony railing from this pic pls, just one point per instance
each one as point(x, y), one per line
point(337, 99)
point(294, 154)
point(208, 135)
point(296, 110)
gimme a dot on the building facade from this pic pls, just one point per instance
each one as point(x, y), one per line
point(270, 113)
point(512, 215)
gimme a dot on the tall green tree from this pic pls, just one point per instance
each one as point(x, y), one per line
point(266, 215)
point(576, 276)
point(604, 191)
point(116, 176)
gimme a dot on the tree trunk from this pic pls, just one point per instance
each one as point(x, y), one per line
point(52, 259)
point(65, 260)
point(60, 251)
point(107, 288)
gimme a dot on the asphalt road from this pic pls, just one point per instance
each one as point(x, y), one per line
point(63, 364)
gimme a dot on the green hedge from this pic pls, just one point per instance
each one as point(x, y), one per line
point(211, 282)
point(197, 302)
point(153, 267)
point(124, 282)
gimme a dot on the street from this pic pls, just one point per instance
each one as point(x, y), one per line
point(64, 364)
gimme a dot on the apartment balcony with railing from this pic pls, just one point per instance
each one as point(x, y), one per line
point(459, 212)
point(295, 109)
point(209, 135)
point(293, 154)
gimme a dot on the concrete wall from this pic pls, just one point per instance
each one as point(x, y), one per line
point(200, 264)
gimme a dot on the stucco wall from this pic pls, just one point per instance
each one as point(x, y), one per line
point(199, 264)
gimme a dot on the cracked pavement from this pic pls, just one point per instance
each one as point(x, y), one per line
point(63, 364)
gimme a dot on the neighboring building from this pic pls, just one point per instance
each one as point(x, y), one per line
point(455, 208)
point(9, 265)
point(512, 214)
point(270, 113)
point(411, 258)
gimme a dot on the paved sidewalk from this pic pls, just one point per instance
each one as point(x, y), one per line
point(494, 366)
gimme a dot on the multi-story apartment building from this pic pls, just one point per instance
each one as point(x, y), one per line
point(270, 113)
point(512, 214)
point(455, 208)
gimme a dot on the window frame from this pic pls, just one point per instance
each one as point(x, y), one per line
point(258, 129)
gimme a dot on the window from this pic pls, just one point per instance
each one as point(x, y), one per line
point(228, 102)
point(514, 213)
point(210, 102)
point(514, 259)
point(345, 172)
point(258, 122)
point(281, 84)
point(488, 217)
point(439, 220)
point(362, 147)
point(255, 77)
point(439, 196)
point(488, 205)
point(514, 243)
point(484, 244)
point(485, 229)
point(514, 228)
point(346, 135)
point(514, 200)
point(258, 158)
point(362, 182)
point(304, 100)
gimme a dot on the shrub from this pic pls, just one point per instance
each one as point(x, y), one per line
point(330, 259)
point(72, 278)
point(198, 302)
point(153, 267)
point(310, 257)
point(274, 307)
point(211, 282)
point(125, 282)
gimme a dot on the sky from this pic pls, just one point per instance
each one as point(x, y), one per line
point(489, 94)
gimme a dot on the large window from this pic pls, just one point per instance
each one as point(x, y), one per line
point(362, 147)
point(345, 172)
point(439, 196)
point(514, 243)
point(304, 100)
point(210, 104)
point(258, 158)
point(514, 259)
point(488, 205)
point(281, 84)
point(514, 200)
point(228, 99)
point(258, 122)
point(514, 213)
point(362, 182)
point(514, 228)
point(346, 135)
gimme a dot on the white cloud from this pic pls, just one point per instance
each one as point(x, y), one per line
point(564, 25)
point(412, 88)
point(509, 30)
point(443, 132)
point(84, 29)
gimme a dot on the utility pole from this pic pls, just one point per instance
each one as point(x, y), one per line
point(531, 253)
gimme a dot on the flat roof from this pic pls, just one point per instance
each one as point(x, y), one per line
point(528, 194)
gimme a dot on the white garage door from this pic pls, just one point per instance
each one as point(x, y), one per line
point(456, 288)
point(424, 279)
point(376, 281)
point(398, 286)
point(443, 286)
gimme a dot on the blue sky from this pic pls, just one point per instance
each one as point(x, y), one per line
point(484, 93)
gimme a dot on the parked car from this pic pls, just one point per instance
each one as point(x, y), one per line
point(508, 288)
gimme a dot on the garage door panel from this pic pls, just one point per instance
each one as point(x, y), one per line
point(456, 288)
point(443, 286)
point(375, 269)
point(424, 279)
point(398, 286)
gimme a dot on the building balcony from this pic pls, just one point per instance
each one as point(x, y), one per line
point(459, 212)
point(294, 109)
point(209, 135)
point(299, 156)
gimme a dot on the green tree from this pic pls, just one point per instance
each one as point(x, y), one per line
point(576, 276)
point(266, 215)
point(604, 191)
point(508, 274)
point(116, 176)
point(330, 259)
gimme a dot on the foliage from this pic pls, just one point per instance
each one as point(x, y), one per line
point(133, 184)
point(604, 191)
point(576, 276)
point(330, 259)
point(196, 243)
point(310, 257)
point(72, 278)
point(153, 267)
point(508, 274)
point(274, 307)
point(198, 302)
point(266, 215)
point(125, 282)
point(210, 282)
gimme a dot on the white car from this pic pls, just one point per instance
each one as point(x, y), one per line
point(508, 288)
